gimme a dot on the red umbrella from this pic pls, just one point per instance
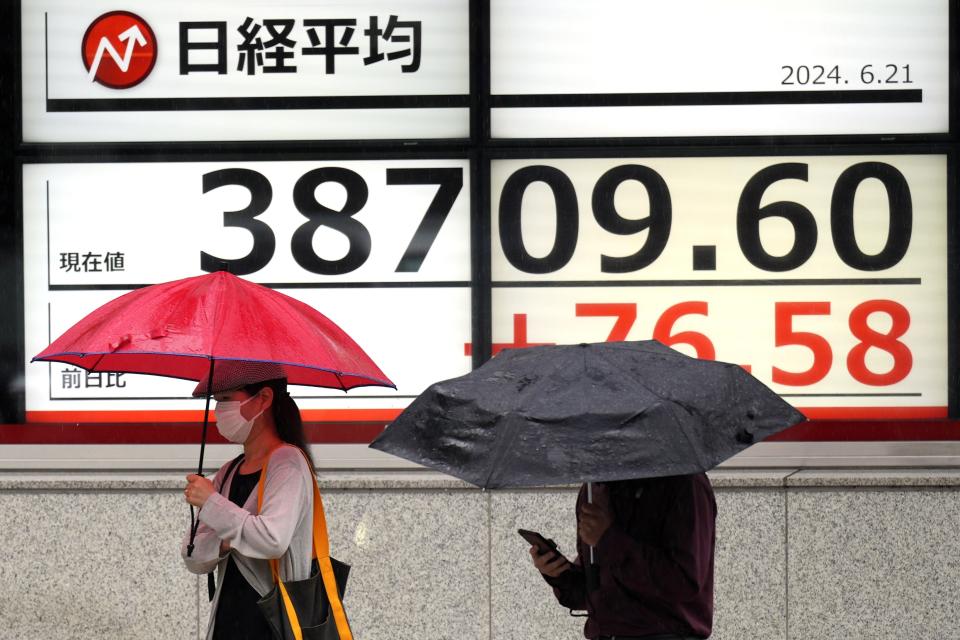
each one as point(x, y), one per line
point(179, 329)
point(199, 328)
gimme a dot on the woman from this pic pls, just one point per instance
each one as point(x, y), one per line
point(254, 409)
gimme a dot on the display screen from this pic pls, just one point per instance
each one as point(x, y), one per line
point(768, 184)
point(181, 70)
point(619, 68)
point(825, 276)
point(381, 247)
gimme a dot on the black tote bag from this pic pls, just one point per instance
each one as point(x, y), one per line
point(309, 600)
point(309, 609)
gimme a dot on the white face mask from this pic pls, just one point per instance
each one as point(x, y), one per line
point(230, 422)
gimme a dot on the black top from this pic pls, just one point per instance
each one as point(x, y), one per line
point(238, 616)
point(655, 561)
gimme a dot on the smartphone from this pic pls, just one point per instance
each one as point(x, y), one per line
point(543, 545)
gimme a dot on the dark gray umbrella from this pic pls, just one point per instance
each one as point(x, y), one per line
point(586, 413)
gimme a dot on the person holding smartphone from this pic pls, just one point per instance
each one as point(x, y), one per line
point(653, 543)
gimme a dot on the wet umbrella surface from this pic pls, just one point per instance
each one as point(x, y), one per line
point(586, 413)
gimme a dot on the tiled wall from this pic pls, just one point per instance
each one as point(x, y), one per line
point(800, 555)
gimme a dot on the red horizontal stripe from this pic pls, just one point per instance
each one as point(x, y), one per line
point(365, 432)
point(387, 415)
point(196, 415)
point(874, 413)
point(869, 431)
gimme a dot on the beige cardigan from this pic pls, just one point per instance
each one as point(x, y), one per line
point(284, 530)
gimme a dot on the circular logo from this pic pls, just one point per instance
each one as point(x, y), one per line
point(119, 49)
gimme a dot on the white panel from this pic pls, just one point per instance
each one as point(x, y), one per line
point(422, 55)
point(890, 353)
point(699, 51)
point(91, 226)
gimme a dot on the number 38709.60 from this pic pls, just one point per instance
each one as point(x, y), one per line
point(749, 215)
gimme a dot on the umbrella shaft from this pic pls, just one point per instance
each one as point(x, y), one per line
point(592, 570)
point(195, 522)
point(590, 500)
point(206, 419)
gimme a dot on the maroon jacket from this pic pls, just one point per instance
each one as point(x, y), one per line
point(656, 561)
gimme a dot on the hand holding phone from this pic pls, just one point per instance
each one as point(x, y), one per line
point(546, 555)
point(542, 544)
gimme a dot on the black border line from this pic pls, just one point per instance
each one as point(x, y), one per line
point(453, 101)
point(681, 142)
point(257, 103)
point(295, 396)
point(49, 340)
point(245, 153)
point(11, 236)
point(851, 395)
point(482, 299)
point(480, 242)
point(953, 95)
point(47, 185)
point(953, 297)
point(432, 284)
point(725, 150)
point(15, 67)
point(953, 226)
point(706, 98)
point(757, 282)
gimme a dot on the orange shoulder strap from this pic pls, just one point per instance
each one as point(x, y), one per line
point(321, 551)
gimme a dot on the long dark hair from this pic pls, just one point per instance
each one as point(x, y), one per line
point(286, 415)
